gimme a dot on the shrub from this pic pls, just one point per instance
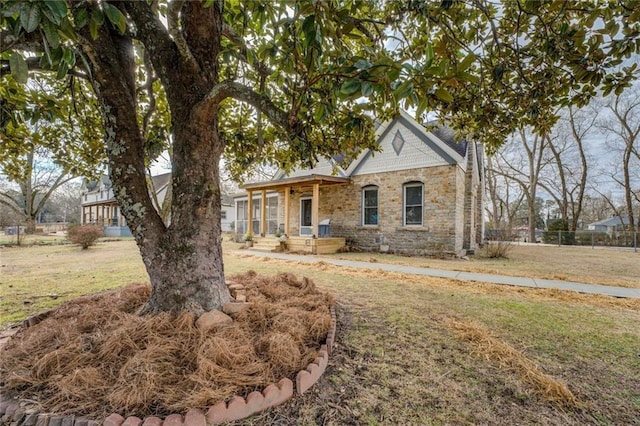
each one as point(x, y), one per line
point(497, 249)
point(84, 235)
point(558, 227)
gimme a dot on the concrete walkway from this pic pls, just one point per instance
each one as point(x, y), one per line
point(466, 276)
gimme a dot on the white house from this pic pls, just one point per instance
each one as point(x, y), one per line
point(100, 207)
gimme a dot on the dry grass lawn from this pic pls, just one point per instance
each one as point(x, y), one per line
point(581, 264)
point(411, 350)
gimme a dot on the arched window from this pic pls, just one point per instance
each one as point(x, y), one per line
point(412, 203)
point(370, 205)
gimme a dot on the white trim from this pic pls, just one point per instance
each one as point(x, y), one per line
point(310, 227)
point(404, 203)
point(363, 206)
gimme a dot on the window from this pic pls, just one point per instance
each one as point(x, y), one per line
point(242, 216)
point(223, 214)
point(370, 205)
point(413, 203)
point(272, 214)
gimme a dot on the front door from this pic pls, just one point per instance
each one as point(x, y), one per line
point(306, 227)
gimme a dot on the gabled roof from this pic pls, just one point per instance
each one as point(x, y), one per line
point(160, 181)
point(423, 149)
point(612, 221)
point(93, 185)
point(447, 136)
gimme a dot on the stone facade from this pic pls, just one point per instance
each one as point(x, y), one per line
point(452, 179)
point(443, 211)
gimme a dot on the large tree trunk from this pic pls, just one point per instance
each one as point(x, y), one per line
point(31, 225)
point(184, 259)
point(186, 267)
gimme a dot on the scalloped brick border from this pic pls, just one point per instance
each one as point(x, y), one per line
point(236, 408)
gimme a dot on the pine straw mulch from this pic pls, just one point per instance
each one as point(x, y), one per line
point(94, 355)
point(496, 350)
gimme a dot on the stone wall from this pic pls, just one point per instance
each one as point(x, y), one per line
point(471, 200)
point(443, 211)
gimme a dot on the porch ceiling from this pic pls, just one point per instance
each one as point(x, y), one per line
point(322, 180)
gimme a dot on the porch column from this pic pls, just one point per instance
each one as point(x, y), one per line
point(315, 203)
point(82, 218)
point(250, 213)
point(287, 200)
point(263, 214)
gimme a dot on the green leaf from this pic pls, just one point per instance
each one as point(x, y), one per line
point(81, 18)
point(97, 19)
point(308, 24)
point(57, 7)
point(62, 70)
point(428, 55)
point(350, 87)
point(51, 32)
point(466, 62)
point(422, 104)
point(393, 74)
point(19, 68)
point(362, 64)
point(47, 52)
point(404, 90)
point(116, 17)
point(69, 57)
point(366, 88)
point(30, 18)
point(319, 113)
point(444, 95)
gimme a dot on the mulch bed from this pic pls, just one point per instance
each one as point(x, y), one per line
point(95, 355)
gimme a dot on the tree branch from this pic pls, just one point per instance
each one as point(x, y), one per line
point(240, 92)
point(156, 39)
point(12, 205)
point(173, 21)
point(33, 64)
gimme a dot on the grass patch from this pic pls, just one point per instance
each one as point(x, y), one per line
point(580, 264)
point(399, 360)
point(36, 278)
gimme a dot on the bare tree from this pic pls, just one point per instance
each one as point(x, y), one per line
point(522, 160)
point(566, 181)
point(36, 182)
point(622, 128)
point(505, 196)
point(597, 207)
point(65, 203)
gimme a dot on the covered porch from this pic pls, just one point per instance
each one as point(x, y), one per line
point(299, 219)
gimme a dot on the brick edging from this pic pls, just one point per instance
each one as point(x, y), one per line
point(236, 408)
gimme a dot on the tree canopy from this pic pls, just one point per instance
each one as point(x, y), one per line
point(289, 82)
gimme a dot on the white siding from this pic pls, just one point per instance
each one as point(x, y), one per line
point(415, 153)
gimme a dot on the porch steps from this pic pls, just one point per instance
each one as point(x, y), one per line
point(266, 244)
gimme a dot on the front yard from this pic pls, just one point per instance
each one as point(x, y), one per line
point(411, 350)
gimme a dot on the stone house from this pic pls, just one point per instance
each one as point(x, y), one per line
point(422, 192)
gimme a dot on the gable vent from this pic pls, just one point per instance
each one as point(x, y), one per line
point(398, 142)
